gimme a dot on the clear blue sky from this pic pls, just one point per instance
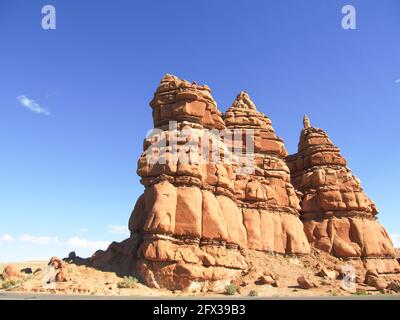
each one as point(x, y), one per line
point(67, 176)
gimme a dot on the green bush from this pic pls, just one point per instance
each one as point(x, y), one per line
point(10, 283)
point(128, 283)
point(253, 293)
point(230, 290)
point(361, 292)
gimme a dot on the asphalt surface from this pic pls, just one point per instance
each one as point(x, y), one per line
point(41, 296)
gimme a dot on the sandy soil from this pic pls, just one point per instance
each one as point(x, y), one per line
point(89, 281)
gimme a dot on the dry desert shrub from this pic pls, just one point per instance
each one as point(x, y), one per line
point(253, 293)
point(10, 283)
point(230, 290)
point(128, 283)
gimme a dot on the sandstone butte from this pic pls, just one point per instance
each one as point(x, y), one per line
point(195, 221)
point(337, 215)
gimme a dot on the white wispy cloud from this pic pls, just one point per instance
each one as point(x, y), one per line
point(396, 240)
point(35, 240)
point(32, 105)
point(78, 243)
point(117, 229)
point(6, 238)
point(397, 81)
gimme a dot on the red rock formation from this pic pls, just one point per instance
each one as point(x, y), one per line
point(266, 196)
point(196, 216)
point(61, 274)
point(338, 217)
point(189, 227)
point(11, 271)
point(209, 198)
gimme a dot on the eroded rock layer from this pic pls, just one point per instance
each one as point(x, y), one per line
point(190, 228)
point(220, 187)
point(265, 194)
point(197, 214)
point(337, 215)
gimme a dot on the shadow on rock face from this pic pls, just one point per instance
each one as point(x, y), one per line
point(119, 257)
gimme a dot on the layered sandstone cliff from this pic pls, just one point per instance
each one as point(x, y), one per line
point(219, 188)
point(189, 227)
point(337, 215)
point(265, 195)
point(199, 209)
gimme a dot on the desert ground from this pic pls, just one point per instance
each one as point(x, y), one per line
point(83, 281)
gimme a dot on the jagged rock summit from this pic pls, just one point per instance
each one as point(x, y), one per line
point(337, 215)
point(266, 197)
point(217, 186)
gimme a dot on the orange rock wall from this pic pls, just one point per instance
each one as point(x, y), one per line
point(195, 217)
point(337, 215)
